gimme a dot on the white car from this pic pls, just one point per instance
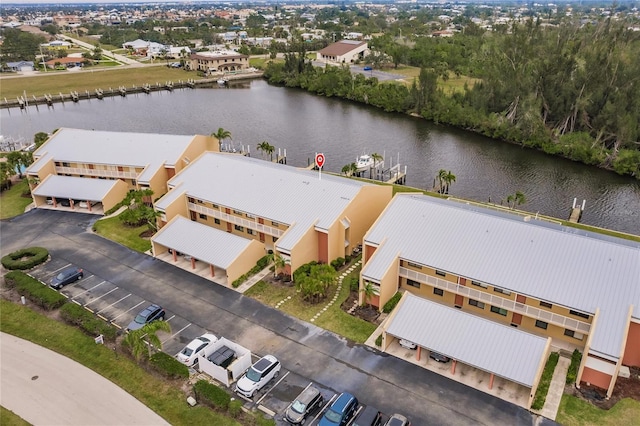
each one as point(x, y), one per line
point(189, 355)
point(407, 344)
point(258, 375)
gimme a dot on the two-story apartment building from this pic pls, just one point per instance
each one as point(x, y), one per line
point(71, 164)
point(474, 264)
point(298, 214)
point(219, 61)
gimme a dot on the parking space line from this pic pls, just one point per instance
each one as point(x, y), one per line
point(100, 297)
point(80, 294)
point(323, 408)
point(130, 309)
point(60, 269)
point(172, 317)
point(272, 388)
point(114, 303)
point(176, 333)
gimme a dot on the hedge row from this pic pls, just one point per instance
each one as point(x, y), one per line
point(572, 373)
point(260, 265)
point(34, 290)
point(168, 366)
point(391, 303)
point(545, 381)
point(211, 395)
point(26, 258)
point(77, 315)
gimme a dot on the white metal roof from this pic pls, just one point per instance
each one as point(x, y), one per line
point(203, 242)
point(76, 188)
point(150, 150)
point(505, 351)
point(274, 191)
point(566, 266)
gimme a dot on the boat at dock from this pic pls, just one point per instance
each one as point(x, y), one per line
point(365, 162)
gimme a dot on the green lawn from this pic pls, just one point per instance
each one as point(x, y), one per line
point(451, 85)
point(9, 418)
point(576, 412)
point(113, 229)
point(334, 319)
point(163, 398)
point(91, 79)
point(12, 203)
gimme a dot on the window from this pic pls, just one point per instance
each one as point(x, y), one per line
point(203, 216)
point(500, 311)
point(541, 324)
point(573, 334)
point(238, 212)
point(475, 303)
point(274, 223)
point(239, 228)
point(546, 305)
point(414, 265)
point(216, 221)
point(215, 206)
point(199, 201)
point(249, 231)
point(579, 314)
point(274, 239)
point(499, 290)
point(479, 284)
point(438, 291)
point(65, 164)
point(413, 283)
point(250, 216)
point(441, 273)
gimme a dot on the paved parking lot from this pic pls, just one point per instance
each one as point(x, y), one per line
point(117, 279)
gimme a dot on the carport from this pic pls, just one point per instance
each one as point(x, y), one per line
point(206, 250)
point(496, 349)
point(92, 195)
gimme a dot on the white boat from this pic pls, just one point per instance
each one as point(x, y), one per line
point(365, 162)
point(222, 81)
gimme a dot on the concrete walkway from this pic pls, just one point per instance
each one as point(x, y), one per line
point(253, 280)
point(46, 388)
point(556, 388)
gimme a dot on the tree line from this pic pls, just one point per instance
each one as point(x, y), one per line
point(570, 90)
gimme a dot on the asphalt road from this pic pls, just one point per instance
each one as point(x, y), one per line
point(308, 352)
point(41, 386)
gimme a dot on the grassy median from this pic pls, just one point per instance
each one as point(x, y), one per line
point(162, 397)
point(576, 412)
point(115, 230)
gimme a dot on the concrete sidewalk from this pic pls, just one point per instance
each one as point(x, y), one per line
point(46, 388)
point(556, 388)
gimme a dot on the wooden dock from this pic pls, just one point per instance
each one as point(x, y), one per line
point(576, 211)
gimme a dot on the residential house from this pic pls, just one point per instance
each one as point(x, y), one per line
point(344, 51)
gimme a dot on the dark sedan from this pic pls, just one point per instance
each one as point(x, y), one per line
point(67, 276)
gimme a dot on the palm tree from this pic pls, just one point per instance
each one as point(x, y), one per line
point(221, 135)
point(368, 290)
point(516, 199)
point(265, 147)
point(277, 260)
point(448, 178)
point(377, 158)
point(350, 169)
point(441, 176)
point(145, 337)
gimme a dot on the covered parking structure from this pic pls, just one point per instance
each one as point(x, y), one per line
point(77, 192)
point(222, 255)
point(498, 350)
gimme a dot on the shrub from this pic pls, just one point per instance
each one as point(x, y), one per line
point(572, 373)
point(337, 263)
point(168, 366)
point(235, 408)
point(211, 395)
point(26, 258)
point(347, 259)
point(545, 381)
point(77, 315)
point(34, 290)
point(353, 282)
point(259, 266)
point(262, 263)
point(388, 307)
point(379, 341)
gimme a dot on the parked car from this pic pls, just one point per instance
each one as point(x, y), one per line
point(85, 204)
point(149, 314)
point(438, 357)
point(258, 375)
point(189, 355)
point(369, 416)
point(367, 68)
point(341, 411)
point(64, 202)
point(407, 344)
point(305, 404)
point(67, 276)
point(397, 420)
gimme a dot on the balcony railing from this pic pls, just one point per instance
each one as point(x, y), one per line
point(250, 224)
point(95, 172)
point(511, 305)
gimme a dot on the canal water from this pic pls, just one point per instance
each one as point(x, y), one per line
point(304, 124)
